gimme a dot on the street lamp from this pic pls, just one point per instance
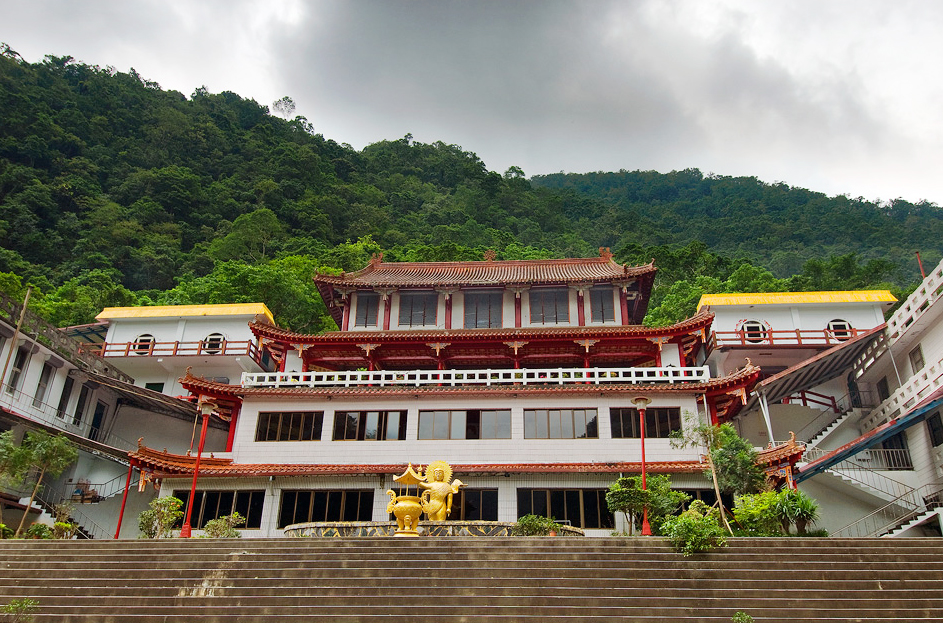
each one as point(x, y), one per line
point(640, 403)
point(206, 407)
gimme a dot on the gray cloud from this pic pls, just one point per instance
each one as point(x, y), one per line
point(837, 96)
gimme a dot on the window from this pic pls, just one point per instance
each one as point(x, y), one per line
point(369, 425)
point(144, 344)
point(475, 505)
point(289, 426)
point(560, 424)
point(418, 309)
point(753, 331)
point(584, 508)
point(659, 422)
point(935, 427)
point(64, 396)
point(20, 361)
point(154, 387)
point(43, 386)
point(483, 309)
point(209, 505)
point(343, 505)
point(916, 359)
point(549, 306)
point(602, 304)
point(883, 391)
point(213, 343)
point(368, 305)
point(81, 404)
point(840, 329)
point(470, 424)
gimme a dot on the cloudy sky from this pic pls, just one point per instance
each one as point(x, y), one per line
point(839, 96)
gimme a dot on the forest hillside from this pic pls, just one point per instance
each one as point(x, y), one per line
point(114, 191)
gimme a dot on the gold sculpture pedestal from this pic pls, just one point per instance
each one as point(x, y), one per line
point(435, 499)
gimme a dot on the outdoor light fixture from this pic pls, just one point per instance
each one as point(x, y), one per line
point(640, 403)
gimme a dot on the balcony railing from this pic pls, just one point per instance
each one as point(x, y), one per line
point(916, 304)
point(504, 377)
point(916, 388)
point(809, 338)
point(175, 349)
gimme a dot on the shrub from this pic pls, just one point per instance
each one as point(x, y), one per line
point(20, 610)
point(795, 507)
point(157, 521)
point(757, 514)
point(38, 531)
point(742, 617)
point(224, 527)
point(534, 525)
point(5, 531)
point(694, 531)
point(64, 529)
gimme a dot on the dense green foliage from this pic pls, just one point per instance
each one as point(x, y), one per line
point(695, 530)
point(160, 517)
point(626, 496)
point(114, 191)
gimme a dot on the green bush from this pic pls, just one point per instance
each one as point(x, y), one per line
point(20, 610)
point(64, 529)
point(5, 531)
point(158, 520)
point(742, 617)
point(795, 507)
point(757, 515)
point(534, 525)
point(38, 531)
point(224, 527)
point(694, 531)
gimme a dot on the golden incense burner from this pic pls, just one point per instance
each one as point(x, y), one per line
point(434, 489)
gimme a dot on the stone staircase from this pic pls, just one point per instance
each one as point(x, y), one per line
point(473, 579)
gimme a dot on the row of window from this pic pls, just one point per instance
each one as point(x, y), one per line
point(485, 309)
point(465, 424)
point(20, 362)
point(585, 508)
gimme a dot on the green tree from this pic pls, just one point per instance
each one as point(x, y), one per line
point(626, 496)
point(48, 454)
point(158, 520)
point(14, 461)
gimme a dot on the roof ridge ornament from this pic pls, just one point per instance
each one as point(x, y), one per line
point(490, 255)
point(605, 253)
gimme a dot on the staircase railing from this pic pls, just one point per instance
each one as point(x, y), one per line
point(106, 489)
point(882, 459)
point(895, 513)
point(88, 527)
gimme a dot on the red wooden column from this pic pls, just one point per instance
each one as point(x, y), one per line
point(624, 306)
point(236, 409)
point(387, 296)
point(345, 323)
point(124, 498)
point(580, 308)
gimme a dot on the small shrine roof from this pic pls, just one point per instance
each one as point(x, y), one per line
point(487, 273)
point(789, 450)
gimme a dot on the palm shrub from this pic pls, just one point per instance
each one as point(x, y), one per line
point(795, 507)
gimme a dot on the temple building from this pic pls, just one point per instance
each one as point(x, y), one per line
point(524, 375)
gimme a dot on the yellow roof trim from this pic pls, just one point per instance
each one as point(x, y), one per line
point(175, 311)
point(798, 298)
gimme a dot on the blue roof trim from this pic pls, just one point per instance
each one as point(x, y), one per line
point(868, 440)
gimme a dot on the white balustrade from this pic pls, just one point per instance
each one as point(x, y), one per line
point(502, 377)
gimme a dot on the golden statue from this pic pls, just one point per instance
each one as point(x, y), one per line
point(438, 490)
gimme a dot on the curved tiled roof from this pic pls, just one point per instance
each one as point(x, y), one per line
point(743, 378)
point(699, 321)
point(486, 273)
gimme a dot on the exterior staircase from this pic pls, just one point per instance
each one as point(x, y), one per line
point(473, 579)
point(916, 521)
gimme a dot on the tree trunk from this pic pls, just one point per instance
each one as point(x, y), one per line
point(720, 503)
point(29, 505)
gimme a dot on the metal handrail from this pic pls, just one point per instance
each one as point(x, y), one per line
point(911, 504)
point(107, 489)
point(881, 459)
point(89, 528)
point(489, 377)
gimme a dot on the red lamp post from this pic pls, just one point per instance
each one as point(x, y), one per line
point(206, 407)
point(640, 403)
